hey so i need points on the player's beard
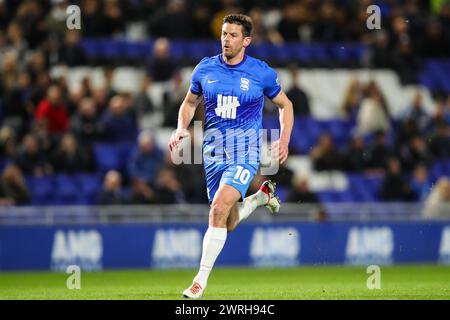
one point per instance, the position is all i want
(230, 53)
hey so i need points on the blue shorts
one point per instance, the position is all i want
(237, 175)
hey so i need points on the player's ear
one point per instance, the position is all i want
(247, 41)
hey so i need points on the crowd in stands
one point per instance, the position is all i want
(47, 129)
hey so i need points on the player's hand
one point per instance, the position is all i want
(283, 150)
(176, 138)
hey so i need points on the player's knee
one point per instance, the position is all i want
(218, 213)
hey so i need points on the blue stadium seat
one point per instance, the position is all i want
(107, 157)
(112, 49)
(42, 189)
(66, 188)
(138, 50)
(92, 48)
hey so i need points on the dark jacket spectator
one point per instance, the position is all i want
(13, 189)
(72, 53)
(112, 193)
(69, 157)
(161, 67)
(378, 152)
(84, 123)
(325, 156)
(394, 186)
(439, 142)
(415, 153)
(168, 188)
(354, 158)
(299, 98)
(301, 193)
(284, 176)
(30, 157)
(142, 193)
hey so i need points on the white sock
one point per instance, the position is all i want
(251, 203)
(213, 242)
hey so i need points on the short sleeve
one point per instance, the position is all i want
(196, 86)
(271, 84)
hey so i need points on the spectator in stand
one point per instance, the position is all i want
(31, 159)
(13, 189)
(380, 53)
(111, 193)
(9, 71)
(168, 188)
(394, 186)
(301, 193)
(414, 153)
(16, 41)
(147, 160)
(324, 155)
(354, 158)
(407, 130)
(284, 176)
(113, 18)
(172, 102)
(191, 176)
(52, 112)
(435, 43)
(142, 193)
(117, 124)
(69, 157)
(416, 112)
(261, 31)
(353, 98)
(297, 95)
(84, 123)
(142, 102)
(7, 143)
(439, 143)
(405, 61)
(57, 17)
(92, 19)
(378, 153)
(17, 107)
(161, 67)
(373, 114)
(288, 26)
(173, 21)
(437, 205)
(420, 182)
(72, 53)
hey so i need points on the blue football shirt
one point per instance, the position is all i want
(234, 100)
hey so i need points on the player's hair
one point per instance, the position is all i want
(242, 20)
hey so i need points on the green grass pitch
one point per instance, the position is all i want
(330, 282)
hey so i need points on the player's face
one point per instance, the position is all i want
(233, 40)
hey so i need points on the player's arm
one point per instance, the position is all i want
(286, 123)
(185, 115)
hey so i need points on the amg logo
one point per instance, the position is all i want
(226, 106)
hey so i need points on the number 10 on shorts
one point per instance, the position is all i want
(242, 175)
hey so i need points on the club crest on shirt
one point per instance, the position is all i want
(245, 84)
